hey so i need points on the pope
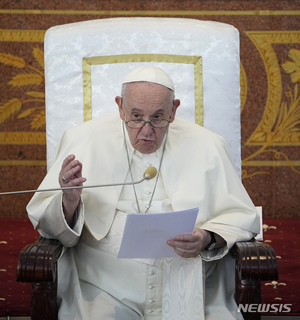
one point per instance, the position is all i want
(194, 169)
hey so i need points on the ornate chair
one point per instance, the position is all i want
(85, 63)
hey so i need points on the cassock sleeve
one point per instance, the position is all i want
(45, 209)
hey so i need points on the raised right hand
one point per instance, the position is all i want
(70, 175)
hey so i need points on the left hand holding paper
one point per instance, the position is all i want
(190, 245)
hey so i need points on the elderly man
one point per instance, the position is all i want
(194, 170)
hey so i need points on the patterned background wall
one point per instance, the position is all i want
(270, 100)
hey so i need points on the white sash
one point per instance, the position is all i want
(183, 289)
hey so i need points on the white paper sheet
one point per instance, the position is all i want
(146, 235)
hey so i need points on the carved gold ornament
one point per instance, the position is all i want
(280, 124)
(29, 76)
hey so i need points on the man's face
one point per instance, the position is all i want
(147, 101)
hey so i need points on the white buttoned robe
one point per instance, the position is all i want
(196, 171)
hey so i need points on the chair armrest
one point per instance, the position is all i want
(37, 261)
(37, 264)
(255, 260)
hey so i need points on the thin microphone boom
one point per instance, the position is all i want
(149, 174)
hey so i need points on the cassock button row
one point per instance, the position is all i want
(150, 311)
(147, 165)
(151, 273)
(147, 206)
(151, 287)
(151, 301)
(147, 192)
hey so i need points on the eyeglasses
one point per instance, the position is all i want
(155, 123)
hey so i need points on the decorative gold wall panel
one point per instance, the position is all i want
(270, 76)
(279, 125)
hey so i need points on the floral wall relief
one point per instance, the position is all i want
(28, 77)
(280, 125)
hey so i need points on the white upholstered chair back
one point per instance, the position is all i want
(85, 63)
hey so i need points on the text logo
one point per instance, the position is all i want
(265, 307)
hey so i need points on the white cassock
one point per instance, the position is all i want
(196, 171)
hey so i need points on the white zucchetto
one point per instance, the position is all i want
(150, 74)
